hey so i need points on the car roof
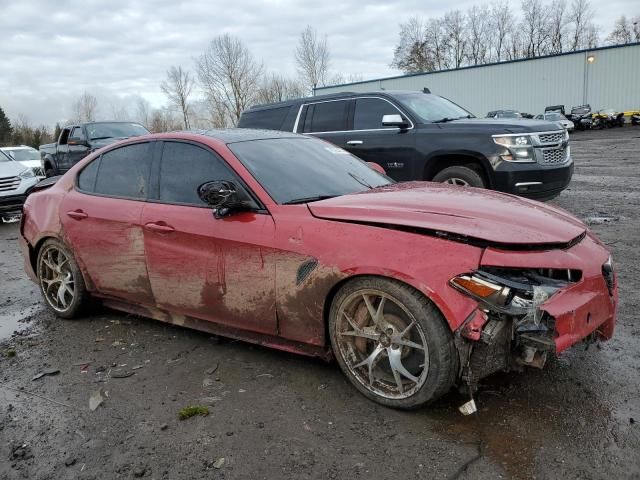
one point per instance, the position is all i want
(235, 135)
(331, 96)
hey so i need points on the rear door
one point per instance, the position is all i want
(392, 148)
(326, 120)
(208, 268)
(101, 221)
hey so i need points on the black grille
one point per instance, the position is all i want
(305, 270)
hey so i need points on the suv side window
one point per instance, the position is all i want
(369, 112)
(124, 172)
(326, 117)
(185, 167)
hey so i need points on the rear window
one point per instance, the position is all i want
(270, 119)
(326, 117)
(124, 172)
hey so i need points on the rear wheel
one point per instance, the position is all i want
(461, 176)
(60, 279)
(392, 343)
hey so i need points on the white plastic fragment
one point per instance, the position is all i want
(468, 408)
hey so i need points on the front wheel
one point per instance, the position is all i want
(461, 176)
(392, 343)
(60, 280)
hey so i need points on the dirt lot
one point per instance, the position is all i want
(275, 415)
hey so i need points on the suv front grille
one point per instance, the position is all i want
(9, 183)
(554, 137)
(553, 156)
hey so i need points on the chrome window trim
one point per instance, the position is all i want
(295, 125)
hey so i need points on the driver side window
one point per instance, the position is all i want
(185, 167)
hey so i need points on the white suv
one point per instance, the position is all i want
(29, 157)
(16, 181)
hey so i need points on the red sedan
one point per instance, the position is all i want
(290, 242)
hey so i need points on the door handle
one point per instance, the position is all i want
(77, 214)
(355, 142)
(159, 227)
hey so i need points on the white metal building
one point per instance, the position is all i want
(606, 77)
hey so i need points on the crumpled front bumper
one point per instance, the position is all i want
(581, 309)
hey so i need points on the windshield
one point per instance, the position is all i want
(432, 108)
(97, 131)
(554, 117)
(300, 170)
(23, 154)
(4, 157)
(508, 114)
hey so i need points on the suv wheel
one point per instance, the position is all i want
(459, 175)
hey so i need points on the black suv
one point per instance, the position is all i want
(421, 136)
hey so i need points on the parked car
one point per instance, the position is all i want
(581, 117)
(27, 156)
(567, 124)
(16, 181)
(77, 141)
(504, 114)
(555, 108)
(421, 136)
(290, 242)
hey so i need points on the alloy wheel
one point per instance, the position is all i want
(382, 344)
(56, 278)
(456, 181)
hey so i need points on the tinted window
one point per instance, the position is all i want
(76, 134)
(271, 119)
(124, 172)
(295, 170)
(184, 168)
(87, 177)
(369, 112)
(326, 117)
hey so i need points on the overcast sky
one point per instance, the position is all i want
(51, 51)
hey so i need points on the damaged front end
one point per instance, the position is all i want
(513, 326)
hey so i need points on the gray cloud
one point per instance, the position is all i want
(118, 50)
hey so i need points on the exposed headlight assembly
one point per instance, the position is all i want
(518, 148)
(28, 173)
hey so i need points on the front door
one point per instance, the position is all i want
(390, 147)
(77, 148)
(101, 222)
(208, 268)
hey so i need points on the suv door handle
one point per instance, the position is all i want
(355, 142)
(159, 227)
(77, 214)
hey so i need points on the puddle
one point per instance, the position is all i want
(19, 320)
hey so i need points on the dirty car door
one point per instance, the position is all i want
(101, 221)
(201, 266)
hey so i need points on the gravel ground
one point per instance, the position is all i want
(276, 415)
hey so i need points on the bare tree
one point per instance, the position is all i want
(312, 58)
(534, 27)
(636, 28)
(439, 45)
(580, 19)
(143, 112)
(163, 120)
(84, 108)
(502, 23)
(557, 25)
(276, 88)
(119, 112)
(177, 87)
(622, 32)
(229, 75)
(478, 31)
(454, 27)
(412, 54)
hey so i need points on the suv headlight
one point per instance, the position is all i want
(518, 148)
(28, 173)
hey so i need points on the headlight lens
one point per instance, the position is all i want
(518, 148)
(28, 173)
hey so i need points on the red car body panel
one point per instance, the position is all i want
(241, 275)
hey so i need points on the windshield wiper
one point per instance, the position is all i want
(100, 138)
(447, 119)
(361, 181)
(296, 201)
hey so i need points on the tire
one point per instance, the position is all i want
(366, 348)
(49, 172)
(57, 268)
(459, 175)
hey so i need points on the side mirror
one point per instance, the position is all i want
(82, 143)
(394, 120)
(377, 167)
(223, 196)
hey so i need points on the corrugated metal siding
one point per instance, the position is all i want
(611, 81)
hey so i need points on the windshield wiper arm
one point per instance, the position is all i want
(296, 201)
(361, 181)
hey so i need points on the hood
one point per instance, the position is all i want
(11, 169)
(30, 163)
(502, 125)
(491, 217)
